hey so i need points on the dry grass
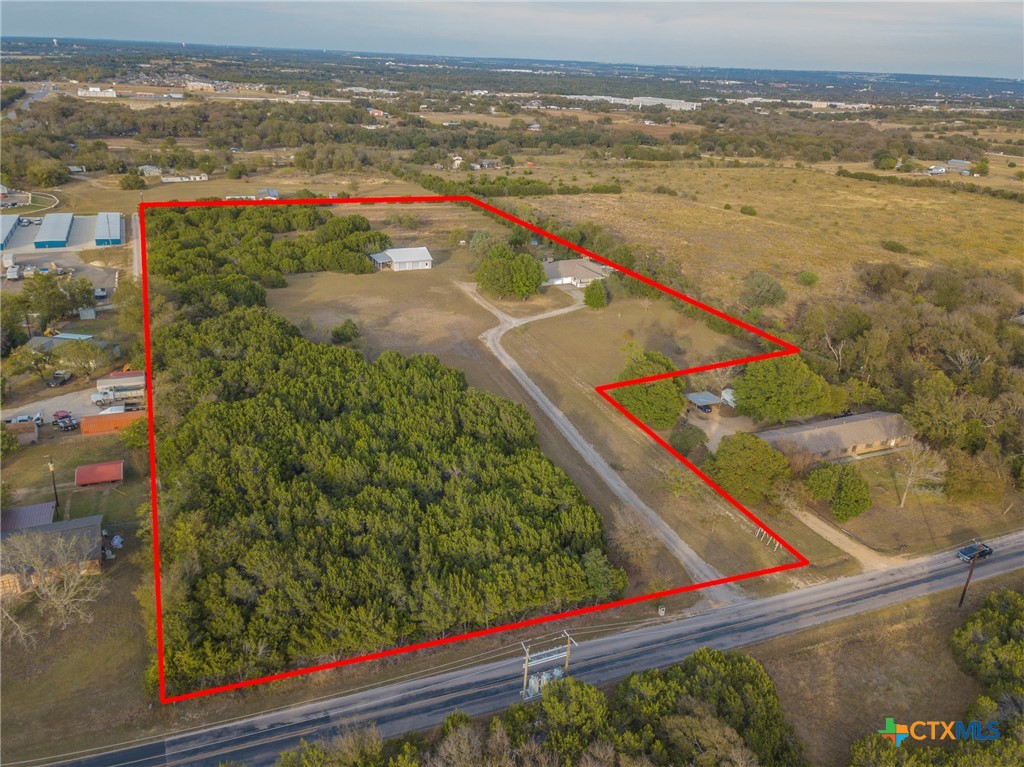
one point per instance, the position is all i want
(837, 683)
(807, 219)
(929, 522)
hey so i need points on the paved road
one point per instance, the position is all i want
(78, 403)
(488, 688)
(698, 570)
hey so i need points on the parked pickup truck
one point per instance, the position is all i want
(59, 378)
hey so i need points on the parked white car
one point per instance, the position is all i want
(14, 272)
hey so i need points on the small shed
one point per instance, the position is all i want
(27, 432)
(21, 517)
(150, 170)
(402, 259)
(104, 473)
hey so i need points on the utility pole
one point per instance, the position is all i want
(53, 480)
(533, 684)
(970, 574)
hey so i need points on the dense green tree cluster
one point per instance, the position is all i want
(215, 243)
(843, 487)
(747, 467)
(657, 404)
(715, 709)
(939, 345)
(505, 273)
(990, 646)
(781, 388)
(317, 505)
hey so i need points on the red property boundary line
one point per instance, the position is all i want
(784, 349)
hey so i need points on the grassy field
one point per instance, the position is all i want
(26, 471)
(806, 219)
(839, 682)
(104, 194)
(929, 522)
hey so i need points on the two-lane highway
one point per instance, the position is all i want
(490, 687)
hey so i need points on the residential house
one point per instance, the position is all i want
(843, 437)
(84, 535)
(578, 272)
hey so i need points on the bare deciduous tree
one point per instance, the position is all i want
(51, 566)
(919, 465)
(12, 627)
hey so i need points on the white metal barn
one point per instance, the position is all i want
(403, 259)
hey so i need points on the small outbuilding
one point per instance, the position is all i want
(704, 401)
(402, 259)
(27, 432)
(104, 473)
(108, 229)
(55, 230)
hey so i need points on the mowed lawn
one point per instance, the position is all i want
(26, 472)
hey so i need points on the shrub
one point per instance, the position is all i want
(807, 278)
(895, 247)
(748, 210)
(728, 206)
(132, 181)
(345, 332)
(686, 438)
(760, 289)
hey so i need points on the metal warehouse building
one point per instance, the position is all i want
(108, 229)
(8, 225)
(55, 230)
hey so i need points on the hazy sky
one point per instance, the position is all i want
(953, 38)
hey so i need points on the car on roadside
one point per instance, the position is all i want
(99, 294)
(59, 378)
(38, 418)
(975, 550)
(66, 424)
(14, 272)
(30, 270)
(59, 414)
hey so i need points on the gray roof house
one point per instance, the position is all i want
(579, 272)
(846, 437)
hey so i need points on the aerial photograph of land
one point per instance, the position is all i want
(512, 384)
